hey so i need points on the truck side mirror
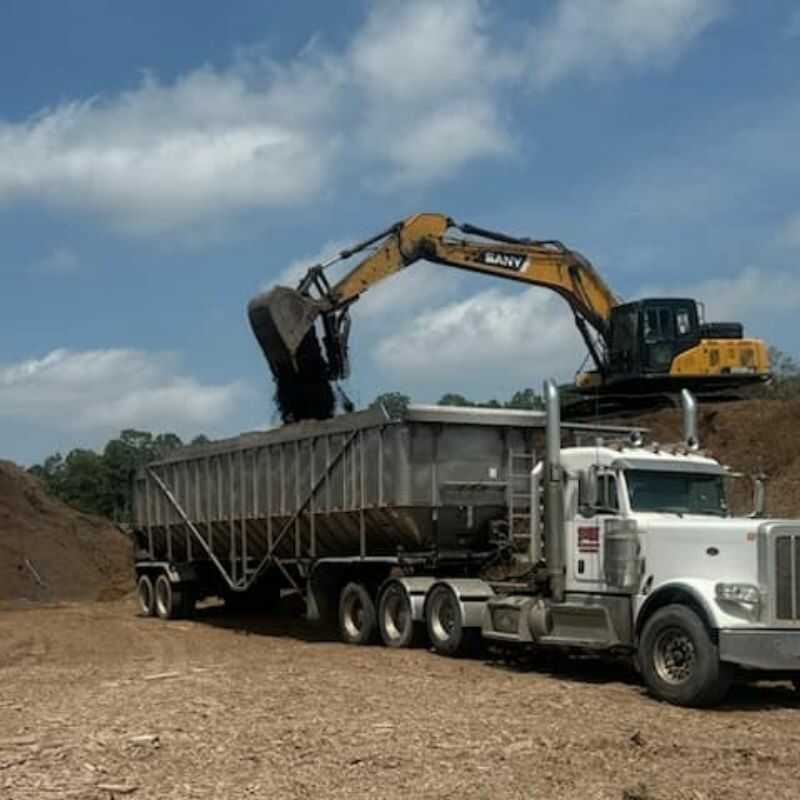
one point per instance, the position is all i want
(759, 498)
(587, 490)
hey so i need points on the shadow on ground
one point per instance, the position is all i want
(287, 621)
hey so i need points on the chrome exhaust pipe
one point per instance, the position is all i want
(690, 434)
(554, 495)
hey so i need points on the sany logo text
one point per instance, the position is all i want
(505, 260)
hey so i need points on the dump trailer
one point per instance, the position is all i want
(463, 527)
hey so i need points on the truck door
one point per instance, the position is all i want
(588, 553)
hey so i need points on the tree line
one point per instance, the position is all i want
(101, 482)
(396, 403)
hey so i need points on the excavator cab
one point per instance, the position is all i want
(648, 334)
(661, 340)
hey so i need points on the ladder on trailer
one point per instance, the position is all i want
(519, 499)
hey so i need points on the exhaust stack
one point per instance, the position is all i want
(554, 495)
(690, 434)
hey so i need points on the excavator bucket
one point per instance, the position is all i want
(283, 321)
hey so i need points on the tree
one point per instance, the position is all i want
(454, 399)
(101, 483)
(395, 403)
(85, 482)
(525, 399)
(785, 374)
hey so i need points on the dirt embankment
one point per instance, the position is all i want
(50, 552)
(757, 436)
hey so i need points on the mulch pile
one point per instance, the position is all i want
(50, 552)
(755, 436)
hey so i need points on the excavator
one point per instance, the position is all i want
(639, 351)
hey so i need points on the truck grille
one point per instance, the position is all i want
(787, 577)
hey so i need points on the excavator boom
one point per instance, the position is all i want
(631, 345)
(284, 319)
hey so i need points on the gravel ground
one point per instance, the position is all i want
(96, 702)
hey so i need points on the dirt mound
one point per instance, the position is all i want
(50, 552)
(756, 436)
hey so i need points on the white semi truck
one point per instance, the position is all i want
(444, 525)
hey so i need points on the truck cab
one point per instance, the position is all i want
(655, 565)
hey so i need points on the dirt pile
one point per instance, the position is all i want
(756, 436)
(50, 552)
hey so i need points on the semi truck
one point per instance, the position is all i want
(468, 528)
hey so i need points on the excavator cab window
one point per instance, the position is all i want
(647, 335)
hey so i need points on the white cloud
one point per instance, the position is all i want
(751, 295)
(103, 391)
(159, 156)
(417, 93)
(503, 340)
(591, 35)
(429, 71)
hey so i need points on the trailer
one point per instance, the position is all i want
(332, 510)
(446, 525)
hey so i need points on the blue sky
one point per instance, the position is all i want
(160, 163)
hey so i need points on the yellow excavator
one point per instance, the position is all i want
(642, 349)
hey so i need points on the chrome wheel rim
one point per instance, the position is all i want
(395, 615)
(162, 597)
(145, 596)
(353, 615)
(443, 616)
(674, 656)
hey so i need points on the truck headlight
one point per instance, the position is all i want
(744, 598)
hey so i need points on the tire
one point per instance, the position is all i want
(145, 594)
(396, 625)
(168, 600)
(189, 603)
(357, 618)
(445, 627)
(679, 662)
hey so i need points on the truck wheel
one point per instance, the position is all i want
(169, 601)
(189, 604)
(397, 626)
(678, 660)
(446, 630)
(357, 618)
(145, 594)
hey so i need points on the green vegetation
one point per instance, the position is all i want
(785, 375)
(100, 483)
(395, 403)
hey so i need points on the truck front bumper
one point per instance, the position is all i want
(767, 649)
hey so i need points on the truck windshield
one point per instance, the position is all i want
(676, 492)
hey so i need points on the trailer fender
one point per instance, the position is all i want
(417, 591)
(472, 595)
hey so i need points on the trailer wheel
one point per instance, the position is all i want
(446, 629)
(357, 618)
(678, 660)
(397, 626)
(169, 601)
(145, 594)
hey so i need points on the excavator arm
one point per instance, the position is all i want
(283, 319)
